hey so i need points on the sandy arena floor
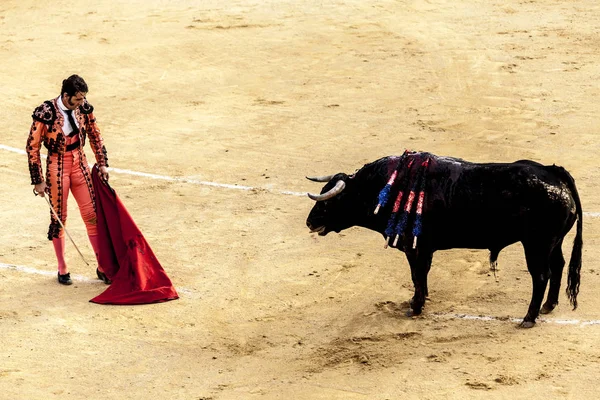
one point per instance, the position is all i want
(259, 94)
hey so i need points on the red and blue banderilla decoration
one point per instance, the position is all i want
(410, 165)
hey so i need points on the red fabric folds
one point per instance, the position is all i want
(127, 259)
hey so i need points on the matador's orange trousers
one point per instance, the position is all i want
(72, 180)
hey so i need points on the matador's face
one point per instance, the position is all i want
(72, 102)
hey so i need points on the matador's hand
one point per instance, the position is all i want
(40, 189)
(104, 173)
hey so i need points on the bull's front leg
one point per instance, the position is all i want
(420, 264)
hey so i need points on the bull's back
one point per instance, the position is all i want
(494, 205)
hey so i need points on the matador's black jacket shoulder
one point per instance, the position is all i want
(86, 108)
(45, 113)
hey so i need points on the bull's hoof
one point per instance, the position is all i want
(413, 313)
(527, 324)
(547, 308)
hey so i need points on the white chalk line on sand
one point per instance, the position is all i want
(74, 277)
(189, 293)
(31, 270)
(517, 320)
(207, 183)
(176, 179)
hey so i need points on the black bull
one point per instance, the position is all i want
(469, 205)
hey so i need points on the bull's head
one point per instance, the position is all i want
(333, 208)
(347, 201)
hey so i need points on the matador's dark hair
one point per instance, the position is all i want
(74, 84)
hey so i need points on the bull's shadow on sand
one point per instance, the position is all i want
(383, 336)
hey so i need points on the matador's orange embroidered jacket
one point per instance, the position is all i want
(46, 129)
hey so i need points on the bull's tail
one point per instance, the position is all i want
(575, 262)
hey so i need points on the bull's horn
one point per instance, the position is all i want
(334, 191)
(320, 178)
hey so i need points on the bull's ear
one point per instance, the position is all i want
(325, 178)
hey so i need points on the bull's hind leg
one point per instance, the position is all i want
(420, 264)
(538, 257)
(557, 262)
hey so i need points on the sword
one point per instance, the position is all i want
(62, 226)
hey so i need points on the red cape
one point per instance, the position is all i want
(127, 259)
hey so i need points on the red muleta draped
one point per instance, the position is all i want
(127, 259)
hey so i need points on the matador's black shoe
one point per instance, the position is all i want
(65, 279)
(102, 276)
